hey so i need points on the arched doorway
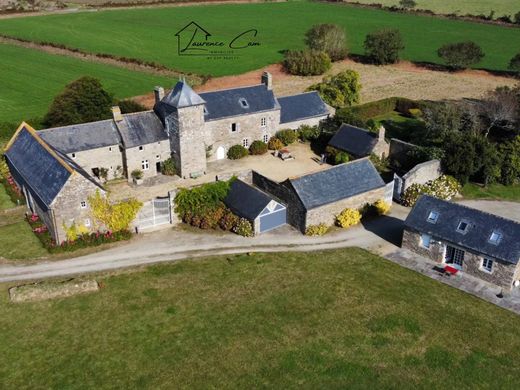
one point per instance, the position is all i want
(221, 153)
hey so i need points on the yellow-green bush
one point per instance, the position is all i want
(348, 218)
(382, 207)
(316, 230)
(115, 216)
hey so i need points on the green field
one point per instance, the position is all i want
(29, 79)
(336, 319)
(149, 33)
(492, 191)
(460, 7)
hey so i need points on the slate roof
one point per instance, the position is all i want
(182, 96)
(226, 103)
(85, 136)
(141, 128)
(354, 140)
(477, 236)
(246, 200)
(336, 183)
(36, 165)
(302, 106)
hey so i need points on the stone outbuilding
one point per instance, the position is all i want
(319, 197)
(56, 189)
(261, 209)
(360, 142)
(475, 242)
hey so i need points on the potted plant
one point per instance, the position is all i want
(137, 176)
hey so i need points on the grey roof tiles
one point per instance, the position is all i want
(476, 238)
(245, 200)
(141, 128)
(354, 140)
(302, 106)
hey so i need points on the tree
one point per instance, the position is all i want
(460, 157)
(407, 4)
(329, 38)
(517, 18)
(514, 64)
(339, 90)
(441, 119)
(306, 62)
(83, 100)
(501, 108)
(461, 55)
(383, 47)
(510, 167)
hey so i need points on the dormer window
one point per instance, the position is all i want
(463, 227)
(495, 237)
(243, 103)
(433, 216)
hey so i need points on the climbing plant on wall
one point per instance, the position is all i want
(115, 216)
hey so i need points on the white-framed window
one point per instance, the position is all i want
(245, 143)
(425, 240)
(145, 165)
(158, 157)
(73, 155)
(463, 226)
(87, 222)
(234, 127)
(495, 237)
(433, 216)
(487, 265)
(263, 121)
(83, 204)
(265, 138)
(141, 148)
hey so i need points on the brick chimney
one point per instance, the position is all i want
(267, 79)
(381, 133)
(116, 114)
(158, 93)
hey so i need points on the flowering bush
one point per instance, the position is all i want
(243, 228)
(382, 207)
(275, 144)
(316, 230)
(12, 189)
(228, 221)
(444, 187)
(348, 218)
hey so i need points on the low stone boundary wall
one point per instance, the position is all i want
(51, 290)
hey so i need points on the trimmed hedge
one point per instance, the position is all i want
(257, 148)
(236, 152)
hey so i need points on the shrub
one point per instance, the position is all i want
(287, 136)
(243, 228)
(275, 143)
(306, 62)
(348, 218)
(461, 54)
(514, 64)
(316, 230)
(383, 47)
(168, 167)
(137, 174)
(382, 207)
(516, 18)
(341, 158)
(115, 216)
(128, 106)
(444, 187)
(309, 133)
(329, 38)
(407, 3)
(202, 199)
(236, 152)
(339, 90)
(258, 147)
(228, 221)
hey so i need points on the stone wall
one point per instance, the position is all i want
(422, 173)
(381, 149)
(327, 214)
(503, 274)
(109, 157)
(309, 122)
(154, 153)
(218, 133)
(67, 205)
(398, 152)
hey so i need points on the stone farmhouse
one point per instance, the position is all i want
(483, 245)
(192, 128)
(55, 187)
(360, 142)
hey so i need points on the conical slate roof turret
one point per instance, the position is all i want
(182, 96)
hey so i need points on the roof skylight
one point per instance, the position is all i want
(433, 216)
(495, 237)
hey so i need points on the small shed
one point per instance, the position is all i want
(360, 142)
(262, 210)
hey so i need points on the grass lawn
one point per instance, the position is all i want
(336, 319)
(149, 33)
(17, 241)
(30, 79)
(493, 191)
(460, 7)
(5, 200)
(400, 126)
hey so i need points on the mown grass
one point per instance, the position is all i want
(460, 7)
(492, 191)
(5, 200)
(400, 126)
(30, 79)
(334, 319)
(17, 241)
(149, 33)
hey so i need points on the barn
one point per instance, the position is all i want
(262, 210)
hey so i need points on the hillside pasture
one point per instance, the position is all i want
(149, 33)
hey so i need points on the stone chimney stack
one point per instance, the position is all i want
(159, 93)
(381, 133)
(267, 79)
(116, 113)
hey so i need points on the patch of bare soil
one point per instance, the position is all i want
(404, 79)
(51, 290)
